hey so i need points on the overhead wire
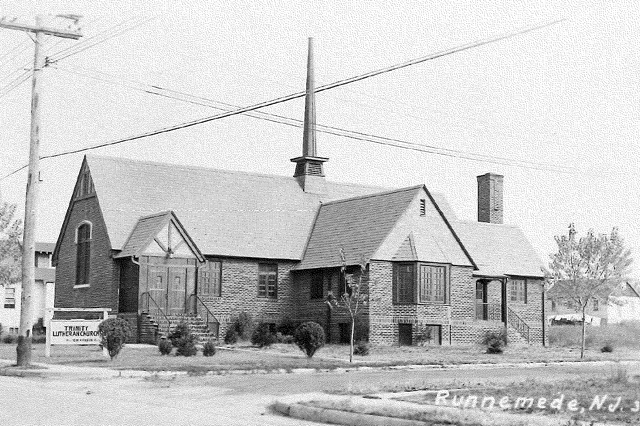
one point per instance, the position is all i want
(276, 118)
(286, 98)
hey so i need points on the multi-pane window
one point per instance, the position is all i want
(210, 282)
(432, 284)
(10, 297)
(596, 304)
(268, 280)
(518, 290)
(317, 281)
(83, 254)
(404, 282)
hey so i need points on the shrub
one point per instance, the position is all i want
(361, 348)
(424, 335)
(38, 327)
(244, 325)
(608, 347)
(495, 341)
(284, 338)
(231, 336)
(113, 333)
(262, 336)
(287, 327)
(184, 341)
(309, 336)
(39, 338)
(165, 346)
(180, 331)
(209, 349)
(10, 338)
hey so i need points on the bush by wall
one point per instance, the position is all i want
(183, 340)
(262, 336)
(495, 341)
(244, 325)
(180, 331)
(287, 327)
(361, 348)
(114, 332)
(10, 338)
(209, 349)
(165, 346)
(231, 336)
(309, 336)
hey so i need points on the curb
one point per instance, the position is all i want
(438, 415)
(15, 371)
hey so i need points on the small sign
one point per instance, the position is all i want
(75, 332)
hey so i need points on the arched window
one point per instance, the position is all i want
(83, 253)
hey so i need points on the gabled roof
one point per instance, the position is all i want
(358, 226)
(499, 250)
(226, 213)
(146, 231)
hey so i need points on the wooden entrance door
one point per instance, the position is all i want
(177, 290)
(157, 289)
(481, 300)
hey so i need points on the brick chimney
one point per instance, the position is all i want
(309, 167)
(490, 200)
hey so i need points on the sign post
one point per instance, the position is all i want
(74, 331)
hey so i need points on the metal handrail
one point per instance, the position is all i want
(209, 313)
(519, 324)
(149, 297)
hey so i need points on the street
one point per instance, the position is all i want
(220, 400)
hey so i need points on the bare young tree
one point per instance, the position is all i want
(10, 245)
(588, 268)
(353, 298)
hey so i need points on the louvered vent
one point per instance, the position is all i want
(423, 207)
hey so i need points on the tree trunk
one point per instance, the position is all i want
(584, 331)
(353, 326)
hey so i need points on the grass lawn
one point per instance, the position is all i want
(284, 356)
(614, 397)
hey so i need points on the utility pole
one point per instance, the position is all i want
(23, 350)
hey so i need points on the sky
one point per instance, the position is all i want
(561, 101)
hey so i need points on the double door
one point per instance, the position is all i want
(170, 287)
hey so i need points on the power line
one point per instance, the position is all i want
(337, 131)
(77, 49)
(466, 46)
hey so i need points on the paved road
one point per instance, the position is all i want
(214, 400)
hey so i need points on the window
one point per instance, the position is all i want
(268, 280)
(83, 253)
(10, 297)
(423, 207)
(210, 282)
(432, 284)
(317, 280)
(518, 291)
(85, 186)
(596, 304)
(403, 282)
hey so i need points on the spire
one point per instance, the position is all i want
(309, 167)
(309, 136)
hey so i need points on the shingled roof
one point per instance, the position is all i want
(359, 227)
(226, 213)
(499, 250)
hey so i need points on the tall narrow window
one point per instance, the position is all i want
(404, 283)
(268, 280)
(83, 254)
(10, 297)
(210, 281)
(316, 291)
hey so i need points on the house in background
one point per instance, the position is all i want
(158, 243)
(10, 295)
(622, 306)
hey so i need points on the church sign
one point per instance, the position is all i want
(75, 332)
